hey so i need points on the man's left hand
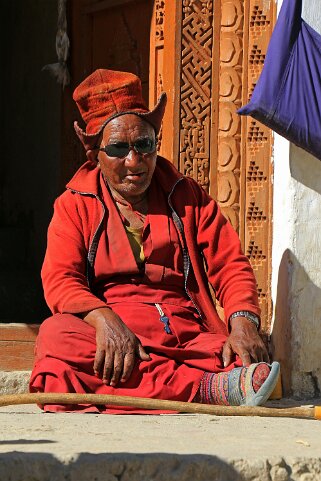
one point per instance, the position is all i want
(244, 341)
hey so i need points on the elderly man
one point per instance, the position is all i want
(132, 248)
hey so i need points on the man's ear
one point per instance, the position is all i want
(92, 155)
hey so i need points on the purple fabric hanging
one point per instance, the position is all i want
(287, 97)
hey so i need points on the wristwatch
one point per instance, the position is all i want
(249, 315)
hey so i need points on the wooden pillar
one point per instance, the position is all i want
(165, 71)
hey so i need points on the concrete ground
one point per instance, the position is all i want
(77, 447)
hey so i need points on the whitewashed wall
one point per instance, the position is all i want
(296, 258)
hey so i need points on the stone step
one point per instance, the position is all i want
(79, 447)
(14, 382)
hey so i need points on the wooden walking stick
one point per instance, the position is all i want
(159, 404)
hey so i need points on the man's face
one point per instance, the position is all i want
(131, 175)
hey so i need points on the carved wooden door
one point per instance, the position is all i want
(208, 56)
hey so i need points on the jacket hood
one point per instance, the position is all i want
(86, 179)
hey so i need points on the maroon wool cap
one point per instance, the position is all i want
(106, 94)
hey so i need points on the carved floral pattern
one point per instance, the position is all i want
(196, 58)
(159, 21)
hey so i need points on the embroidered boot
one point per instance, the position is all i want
(250, 386)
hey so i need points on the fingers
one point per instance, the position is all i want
(245, 358)
(119, 364)
(229, 350)
(251, 355)
(245, 341)
(129, 361)
(108, 367)
(115, 361)
(141, 353)
(259, 353)
(265, 356)
(114, 364)
(99, 361)
(117, 370)
(227, 354)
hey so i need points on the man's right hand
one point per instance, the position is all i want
(116, 346)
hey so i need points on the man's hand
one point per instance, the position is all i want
(117, 346)
(244, 341)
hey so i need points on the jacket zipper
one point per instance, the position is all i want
(186, 259)
(94, 241)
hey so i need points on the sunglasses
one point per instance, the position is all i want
(121, 149)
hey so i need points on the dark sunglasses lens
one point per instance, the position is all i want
(117, 150)
(145, 146)
(120, 150)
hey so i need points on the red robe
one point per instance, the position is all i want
(65, 347)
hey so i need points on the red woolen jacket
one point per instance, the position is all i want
(211, 247)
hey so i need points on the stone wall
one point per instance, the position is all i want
(296, 281)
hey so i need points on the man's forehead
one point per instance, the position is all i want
(127, 124)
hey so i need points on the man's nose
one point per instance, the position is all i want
(133, 157)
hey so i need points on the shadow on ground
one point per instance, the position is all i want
(115, 467)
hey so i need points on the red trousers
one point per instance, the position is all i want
(65, 352)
